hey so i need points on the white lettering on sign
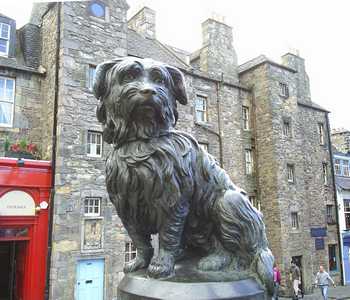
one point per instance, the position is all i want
(17, 203)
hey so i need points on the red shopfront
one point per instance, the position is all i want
(25, 187)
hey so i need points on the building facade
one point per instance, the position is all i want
(341, 145)
(257, 119)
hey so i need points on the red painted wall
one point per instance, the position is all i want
(34, 177)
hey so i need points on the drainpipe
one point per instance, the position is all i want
(218, 107)
(54, 146)
(336, 201)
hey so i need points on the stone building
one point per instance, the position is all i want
(341, 140)
(257, 119)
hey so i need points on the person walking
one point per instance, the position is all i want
(276, 281)
(322, 281)
(295, 278)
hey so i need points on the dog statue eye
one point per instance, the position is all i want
(158, 79)
(128, 78)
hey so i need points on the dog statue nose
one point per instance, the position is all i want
(148, 91)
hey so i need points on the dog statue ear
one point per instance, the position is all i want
(99, 86)
(179, 84)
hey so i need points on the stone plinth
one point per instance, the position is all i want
(190, 284)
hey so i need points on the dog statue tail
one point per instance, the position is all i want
(243, 233)
(264, 268)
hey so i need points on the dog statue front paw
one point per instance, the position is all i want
(162, 266)
(136, 264)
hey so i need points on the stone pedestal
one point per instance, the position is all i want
(190, 284)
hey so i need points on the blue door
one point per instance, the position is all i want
(346, 261)
(89, 285)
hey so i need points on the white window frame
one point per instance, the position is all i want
(255, 202)
(284, 89)
(8, 100)
(290, 173)
(7, 39)
(337, 166)
(130, 252)
(202, 111)
(345, 168)
(204, 146)
(347, 212)
(90, 204)
(286, 128)
(91, 76)
(321, 133)
(325, 173)
(295, 220)
(93, 146)
(249, 161)
(245, 117)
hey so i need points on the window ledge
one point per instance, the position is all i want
(9, 129)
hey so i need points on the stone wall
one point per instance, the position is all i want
(307, 195)
(85, 41)
(341, 140)
(27, 106)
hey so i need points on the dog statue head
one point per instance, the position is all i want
(137, 98)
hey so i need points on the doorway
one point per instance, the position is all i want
(90, 274)
(12, 262)
(299, 262)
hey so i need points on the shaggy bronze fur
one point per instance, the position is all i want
(161, 181)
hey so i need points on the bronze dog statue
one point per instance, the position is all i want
(161, 181)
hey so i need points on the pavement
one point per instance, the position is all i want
(337, 293)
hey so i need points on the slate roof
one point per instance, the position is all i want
(141, 46)
(343, 182)
(13, 64)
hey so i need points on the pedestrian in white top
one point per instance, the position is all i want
(322, 280)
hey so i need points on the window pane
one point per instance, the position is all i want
(9, 89)
(98, 149)
(5, 31)
(3, 46)
(6, 110)
(2, 87)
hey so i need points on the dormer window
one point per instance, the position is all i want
(4, 39)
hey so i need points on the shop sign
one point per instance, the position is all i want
(17, 203)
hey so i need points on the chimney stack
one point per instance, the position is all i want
(144, 22)
(218, 55)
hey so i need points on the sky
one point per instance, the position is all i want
(317, 29)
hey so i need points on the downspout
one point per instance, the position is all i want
(336, 201)
(54, 147)
(218, 107)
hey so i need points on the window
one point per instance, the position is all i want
(91, 76)
(345, 167)
(295, 220)
(332, 257)
(337, 167)
(347, 213)
(4, 39)
(321, 133)
(92, 206)
(204, 146)
(245, 113)
(94, 144)
(290, 170)
(130, 252)
(286, 128)
(248, 161)
(7, 95)
(330, 214)
(255, 202)
(325, 173)
(284, 91)
(201, 108)
(97, 9)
